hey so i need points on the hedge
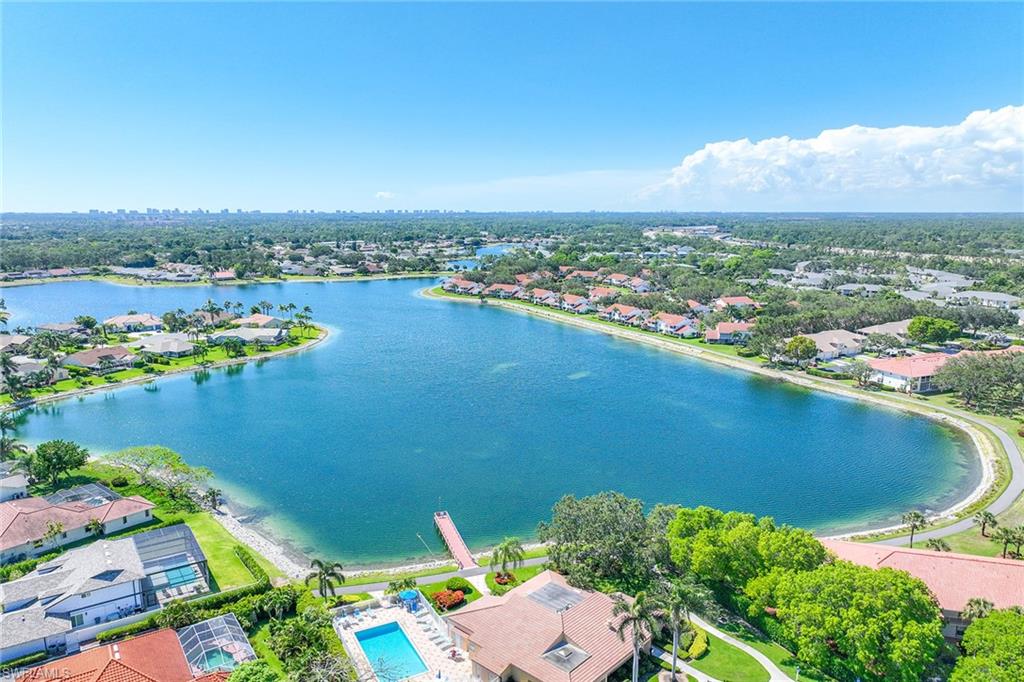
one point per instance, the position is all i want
(25, 566)
(838, 376)
(204, 605)
(459, 584)
(23, 662)
(699, 646)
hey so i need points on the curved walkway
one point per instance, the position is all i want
(683, 665)
(774, 672)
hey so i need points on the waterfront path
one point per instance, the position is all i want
(775, 673)
(429, 579)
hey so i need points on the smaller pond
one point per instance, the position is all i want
(474, 263)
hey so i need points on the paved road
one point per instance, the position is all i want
(1000, 504)
(426, 579)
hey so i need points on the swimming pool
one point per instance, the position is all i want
(390, 652)
(176, 577)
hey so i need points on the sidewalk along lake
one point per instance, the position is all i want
(418, 404)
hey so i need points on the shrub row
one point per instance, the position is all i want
(208, 606)
(699, 645)
(23, 662)
(838, 376)
(16, 570)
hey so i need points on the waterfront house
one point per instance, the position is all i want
(171, 345)
(135, 322)
(544, 630)
(102, 360)
(836, 343)
(499, 290)
(952, 578)
(214, 319)
(111, 582)
(24, 522)
(729, 332)
(462, 286)
(259, 321)
(13, 343)
(575, 304)
(623, 314)
(989, 299)
(910, 374)
(899, 329)
(601, 293)
(224, 275)
(72, 329)
(545, 297)
(268, 337)
(34, 371)
(672, 325)
(204, 652)
(741, 302)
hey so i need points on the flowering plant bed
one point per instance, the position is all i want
(446, 600)
(504, 578)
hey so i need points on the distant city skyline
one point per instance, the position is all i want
(730, 107)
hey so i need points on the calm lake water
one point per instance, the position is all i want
(415, 404)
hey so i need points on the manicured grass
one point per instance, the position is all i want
(259, 638)
(385, 577)
(521, 574)
(535, 553)
(431, 588)
(725, 662)
(778, 654)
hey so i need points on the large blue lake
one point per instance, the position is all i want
(415, 404)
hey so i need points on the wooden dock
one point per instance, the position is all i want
(453, 540)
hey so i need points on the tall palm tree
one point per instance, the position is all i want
(509, 552)
(1004, 535)
(976, 607)
(7, 423)
(325, 574)
(1018, 539)
(400, 584)
(681, 598)
(938, 544)
(94, 527)
(985, 519)
(265, 307)
(10, 448)
(915, 521)
(636, 617)
(213, 498)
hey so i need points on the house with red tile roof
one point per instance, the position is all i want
(259, 321)
(617, 279)
(736, 302)
(729, 332)
(544, 630)
(624, 314)
(697, 307)
(583, 274)
(909, 374)
(601, 293)
(160, 656)
(462, 286)
(639, 285)
(953, 578)
(24, 522)
(575, 304)
(524, 279)
(224, 275)
(673, 325)
(134, 322)
(545, 297)
(499, 290)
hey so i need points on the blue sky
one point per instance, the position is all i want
(513, 107)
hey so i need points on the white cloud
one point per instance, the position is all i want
(384, 196)
(976, 164)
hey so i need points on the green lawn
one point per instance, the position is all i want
(778, 655)
(431, 588)
(725, 662)
(521, 574)
(260, 644)
(217, 543)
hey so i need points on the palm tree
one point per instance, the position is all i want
(10, 448)
(325, 573)
(265, 307)
(7, 423)
(938, 544)
(682, 598)
(201, 349)
(1004, 535)
(1018, 539)
(915, 521)
(401, 584)
(637, 617)
(985, 519)
(54, 529)
(509, 552)
(976, 607)
(94, 527)
(213, 498)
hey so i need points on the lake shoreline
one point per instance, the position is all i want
(121, 281)
(147, 378)
(982, 447)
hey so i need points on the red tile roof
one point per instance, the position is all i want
(25, 520)
(915, 366)
(153, 657)
(952, 578)
(515, 630)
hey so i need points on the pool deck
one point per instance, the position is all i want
(433, 656)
